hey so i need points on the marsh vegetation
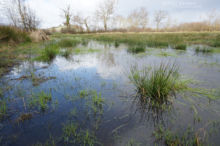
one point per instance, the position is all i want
(100, 89)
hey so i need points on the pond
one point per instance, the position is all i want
(88, 99)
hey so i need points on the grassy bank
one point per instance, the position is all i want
(159, 39)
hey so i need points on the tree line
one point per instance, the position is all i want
(105, 19)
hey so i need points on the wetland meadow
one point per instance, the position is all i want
(121, 89)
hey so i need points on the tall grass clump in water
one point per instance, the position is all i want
(136, 49)
(202, 49)
(156, 85)
(180, 47)
(65, 43)
(49, 53)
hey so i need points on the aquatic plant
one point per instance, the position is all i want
(203, 49)
(180, 47)
(116, 44)
(72, 134)
(85, 42)
(66, 42)
(66, 53)
(156, 85)
(136, 49)
(41, 100)
(3, 108)
(49, 52)
(23, 117)
(188, 137)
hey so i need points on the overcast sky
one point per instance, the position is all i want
(180, 10)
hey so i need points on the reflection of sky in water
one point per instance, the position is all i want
(100, 71)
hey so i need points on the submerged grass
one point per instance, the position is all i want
(188, 138)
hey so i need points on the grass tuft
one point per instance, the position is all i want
(156, 85)
(202, 49)
(49, 53)
(180, 47)
(136, 49)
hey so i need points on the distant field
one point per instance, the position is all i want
(160, 39)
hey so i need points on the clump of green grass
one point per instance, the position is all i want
(65, 43)
(85, 50)
(156, 85)
(116, 44)
(202, 49)
(41, 100)
(180, 47)
(136, 49)
(49, 53)
(216, 43)
(72, 134)
(85, 42)
(170, 138)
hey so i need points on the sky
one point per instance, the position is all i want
(49, 11)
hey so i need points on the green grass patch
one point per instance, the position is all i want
(180, 47)
(13, 35)
(40, 100)
(156, 85)
(66, 42)
(50, 51)
(203, 49)
(3, 108)
(136, 49)
(186, 138)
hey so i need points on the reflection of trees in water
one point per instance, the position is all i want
(107, 58)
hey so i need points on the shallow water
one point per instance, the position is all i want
(120, 119)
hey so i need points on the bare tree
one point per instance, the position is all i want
(82, 21)
(66, 13)
(105, 11)
(211, 18)
(159, 16)
(138, 18)
(21, 15)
